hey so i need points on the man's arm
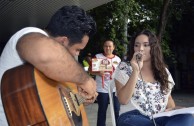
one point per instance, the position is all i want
(53, 60)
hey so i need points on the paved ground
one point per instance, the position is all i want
(185, 99)
(92, 115)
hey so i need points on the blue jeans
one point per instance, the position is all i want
(103, 101)
(135, 118)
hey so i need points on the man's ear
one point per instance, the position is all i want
(63, 40)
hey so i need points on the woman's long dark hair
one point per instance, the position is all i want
(157, 61)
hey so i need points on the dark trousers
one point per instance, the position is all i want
(135, 118)
(103, 101)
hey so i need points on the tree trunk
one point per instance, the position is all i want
(162, 20)
(125, 37)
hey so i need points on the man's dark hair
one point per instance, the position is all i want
(72, 22)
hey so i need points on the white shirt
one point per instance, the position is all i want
(10, 58)
(147, 96)
(108, 78)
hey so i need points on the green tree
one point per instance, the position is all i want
(119, 19)
(112, 21)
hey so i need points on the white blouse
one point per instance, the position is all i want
(147, 97)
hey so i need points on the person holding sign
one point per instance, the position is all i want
(103, 66)
(146, 84)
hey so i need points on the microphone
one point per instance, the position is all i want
(138, 56)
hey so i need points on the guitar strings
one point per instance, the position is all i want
(80, 99)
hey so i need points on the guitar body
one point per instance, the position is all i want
(30, 98)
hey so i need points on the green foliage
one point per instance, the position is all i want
(85, 63)
(120, 19)
(168, 54)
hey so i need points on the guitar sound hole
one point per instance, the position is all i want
(71, 106)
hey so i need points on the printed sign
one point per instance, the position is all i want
(99, 64)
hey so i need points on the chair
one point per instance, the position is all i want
(110, 92)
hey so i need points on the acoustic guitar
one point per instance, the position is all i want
(31, 99)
